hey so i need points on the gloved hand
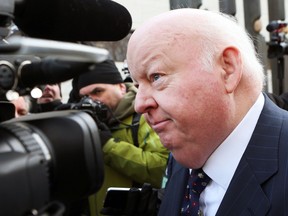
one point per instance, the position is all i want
(104, 132)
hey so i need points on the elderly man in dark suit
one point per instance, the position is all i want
(200, 88)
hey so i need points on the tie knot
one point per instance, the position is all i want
(198, 180)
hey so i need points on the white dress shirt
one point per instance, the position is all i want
(221, 165)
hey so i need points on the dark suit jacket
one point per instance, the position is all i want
(260, 184)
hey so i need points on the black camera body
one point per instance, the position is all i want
(278, 45)
(97, 108)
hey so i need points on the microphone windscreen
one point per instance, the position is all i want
(275, 25)
(73, 20)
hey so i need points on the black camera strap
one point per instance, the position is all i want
(134, 129)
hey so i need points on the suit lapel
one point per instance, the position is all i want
(179, 177)
(172, 201)
(245, 195)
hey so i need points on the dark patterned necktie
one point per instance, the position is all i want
(196, 184)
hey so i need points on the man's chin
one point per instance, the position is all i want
(166, 141)
(46, 100)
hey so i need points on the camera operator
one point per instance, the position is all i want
(50, 99)
(280, 100)
(133, 153)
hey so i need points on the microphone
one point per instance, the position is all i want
(73, 20)
(276, 24)
(49, 71)
(62, 50)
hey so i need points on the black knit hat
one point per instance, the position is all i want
(104, 72)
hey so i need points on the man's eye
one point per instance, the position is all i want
(155, 77)
(97, 91)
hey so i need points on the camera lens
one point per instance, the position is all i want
(46, 157)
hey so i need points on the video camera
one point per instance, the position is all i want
(278, 45)
(50, 159)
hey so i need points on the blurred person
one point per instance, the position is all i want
(200, 87)
(51, 98)
(281, 100)
(133, 153)
(22, 106)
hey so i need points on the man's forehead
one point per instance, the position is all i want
(99, 85)
(91, 87)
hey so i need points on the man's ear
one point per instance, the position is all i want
(123, 88)
(232, 68)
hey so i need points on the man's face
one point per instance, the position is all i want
(109, 94)
(184, 103)
(21, 107)
(50, 93)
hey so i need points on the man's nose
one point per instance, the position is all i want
(144, 101)
(93, 97)
(47, 88)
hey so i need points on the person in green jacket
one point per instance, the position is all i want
(129, 160)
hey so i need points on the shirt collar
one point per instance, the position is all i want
(233, 147)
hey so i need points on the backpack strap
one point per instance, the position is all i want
(135, 127)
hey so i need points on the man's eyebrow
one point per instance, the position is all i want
(94, 90)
